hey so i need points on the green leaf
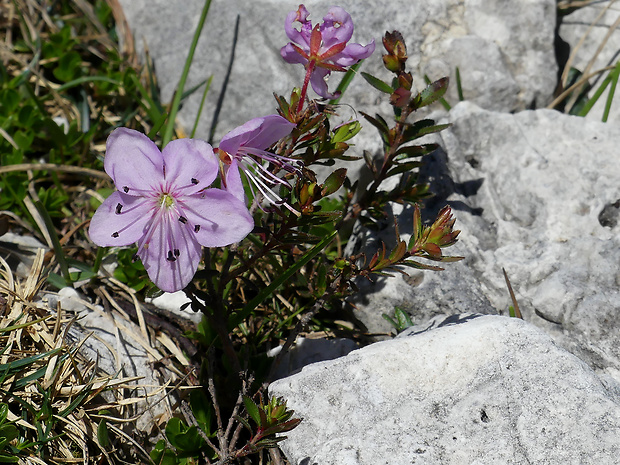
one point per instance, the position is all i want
(102, 434)
(403, 168)
(433, 92)
(378, 83)
(202, 410)
(416, 150)
(68, 66)
(333, 182)
(403, 318)
(321, 282)
(244, 422)
(240, 316)
(380, 124)
(161, 455)
(422, 128)
(9, 101)
(252, 409)
(346, 131)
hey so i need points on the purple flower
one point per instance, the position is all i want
(164, 203)
(324, 48)
(243, 150)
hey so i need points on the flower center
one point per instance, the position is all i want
(166, 200)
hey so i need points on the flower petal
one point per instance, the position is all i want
(172, 255)
(189, 165)
(257, 133)
(343, 30)
(318, 83)
(133, 161)
(272, 128)
(217, 217)
(112, 225)
(290, 55)
(232, 181)
(354, 53)
(301, 37)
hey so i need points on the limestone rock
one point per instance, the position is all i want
(309, 350)
(504, 52)
(489, 390)
(120, 349)
(534, 193)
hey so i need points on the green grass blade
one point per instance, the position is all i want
(592, 101)
(85, 79)
(459, 88)
(24, 325)
(58, 252)
(202, 102)
(276, 283)
(18, 364)
(346, 80)
(612, 90)
(220, 99)
(176, 102)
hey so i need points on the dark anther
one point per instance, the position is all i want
(134, 258)
(126, 189)
(115, 234)
(182, 219)
(177, 252)
(118, 208)
(170, 257)
(197, 228)
(194, 181)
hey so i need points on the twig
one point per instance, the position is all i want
(191, 419)
(221, 438)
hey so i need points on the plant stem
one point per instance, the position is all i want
(304, 89)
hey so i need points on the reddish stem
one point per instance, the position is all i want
(304, 89)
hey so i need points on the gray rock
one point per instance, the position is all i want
(173, 302)
(119, 349)
(585, 35)
(504, 52)
(488, 390)
(534, 193)
(307, 351)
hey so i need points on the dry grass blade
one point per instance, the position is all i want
(586, 73)
(53, 167)
(42, 373)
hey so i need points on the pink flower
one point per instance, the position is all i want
(243, 150)
(323, 48)
(164, 203)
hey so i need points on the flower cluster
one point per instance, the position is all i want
(242, 150)
(164, 200)
(322, 48)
